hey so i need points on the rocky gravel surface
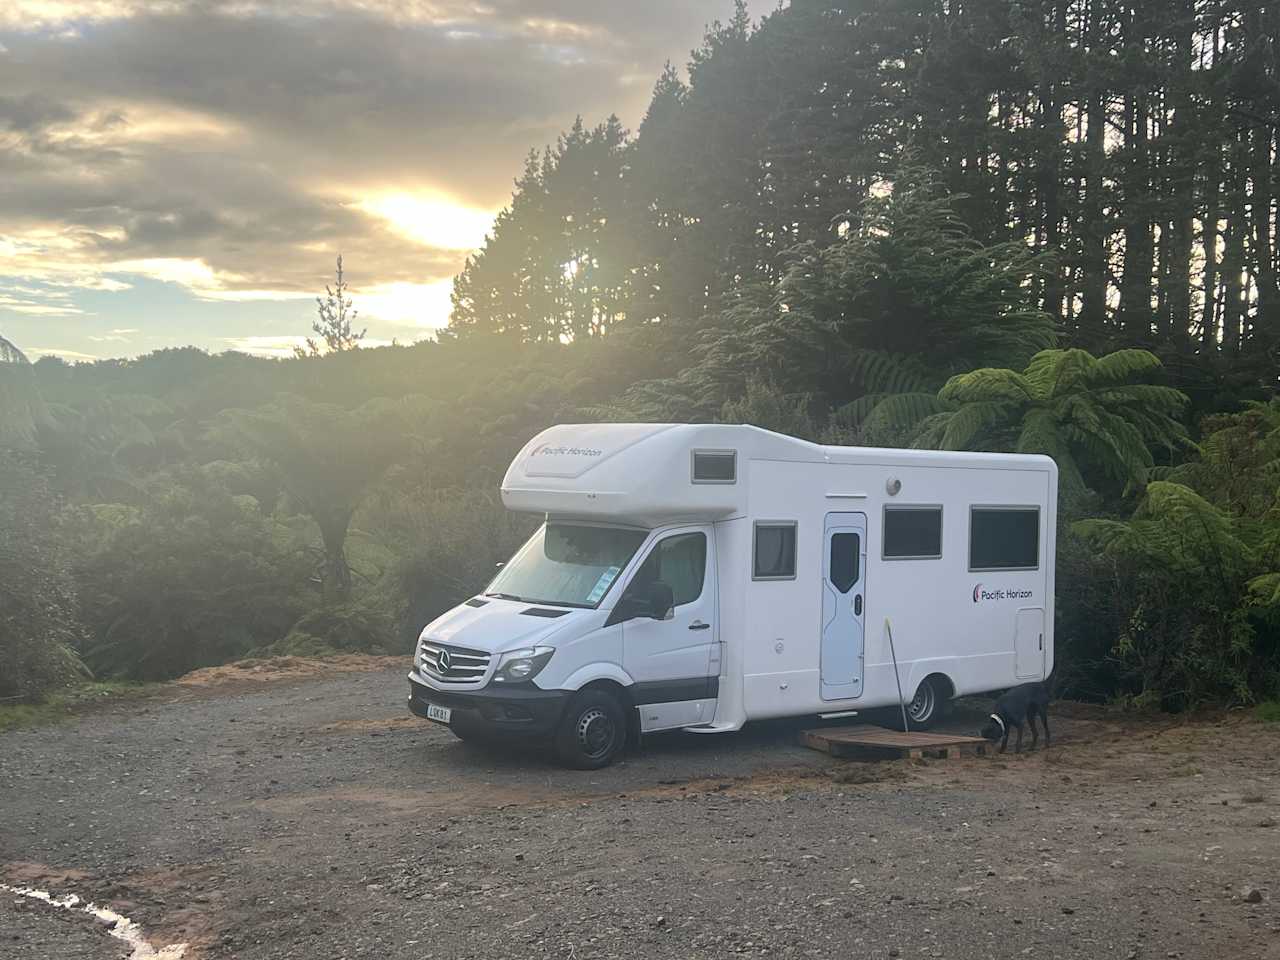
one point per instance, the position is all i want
(315, 819)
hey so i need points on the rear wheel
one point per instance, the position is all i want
(592, 732)
(925, 708)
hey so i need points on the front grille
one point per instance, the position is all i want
(452, 664)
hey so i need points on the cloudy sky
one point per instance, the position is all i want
(184, 171)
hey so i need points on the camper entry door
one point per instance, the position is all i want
(844, 576)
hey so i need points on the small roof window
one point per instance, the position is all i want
(715, 466)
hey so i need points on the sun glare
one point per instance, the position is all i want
(431, 219)
(408, 304)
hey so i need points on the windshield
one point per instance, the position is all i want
(567, 564)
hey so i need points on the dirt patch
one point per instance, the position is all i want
(253, 673)
(41, 876)
(780, 781)
(447, 799)
(371, 726)
(172, 905)
(1096, 748)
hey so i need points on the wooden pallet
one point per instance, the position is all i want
(865, 742)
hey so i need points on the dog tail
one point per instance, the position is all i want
(1051, 682)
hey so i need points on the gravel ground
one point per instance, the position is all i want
(316, 819)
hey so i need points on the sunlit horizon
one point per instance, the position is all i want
(188, 173)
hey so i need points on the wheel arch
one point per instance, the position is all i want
(596, 673)
(944, 684)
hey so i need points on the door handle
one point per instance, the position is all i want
(699, 625)
(1042, 641)
(857, 605)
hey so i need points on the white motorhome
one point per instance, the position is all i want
(701, 576)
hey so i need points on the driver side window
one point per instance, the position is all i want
(680, 562)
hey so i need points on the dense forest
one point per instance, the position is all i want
(1044, 226)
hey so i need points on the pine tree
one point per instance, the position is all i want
(334, 328)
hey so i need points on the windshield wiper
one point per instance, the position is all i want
(508, 596)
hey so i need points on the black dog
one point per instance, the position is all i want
(1022, 703)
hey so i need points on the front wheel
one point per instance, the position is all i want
(592, 732)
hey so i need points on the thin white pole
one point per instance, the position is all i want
(893, 653)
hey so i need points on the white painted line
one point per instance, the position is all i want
(120, 927)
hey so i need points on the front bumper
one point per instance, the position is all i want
(509, 710)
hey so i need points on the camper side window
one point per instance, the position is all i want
(1004, 538)
(680, 562)
(775, 551)
(912, 533)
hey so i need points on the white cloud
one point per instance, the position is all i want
(36, 301)
(35, 309)
(59, 352)
(280, 347)
(201, 279)
(265, 346)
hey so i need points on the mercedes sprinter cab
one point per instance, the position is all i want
(696, 577)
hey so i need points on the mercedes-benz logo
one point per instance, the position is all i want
(444, 662)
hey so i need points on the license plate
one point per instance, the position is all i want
(440, 714)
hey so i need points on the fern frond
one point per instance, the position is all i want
(1054, 372)
(1265, 591)
(1122, 365)
(901, 411)
(1205, 532)
(882, 372)
(1041, 434)
(9, 353)
(931, 431)
(986, 384)
(968, 423)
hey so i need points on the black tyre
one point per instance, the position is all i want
(927, 706)
(592, 732)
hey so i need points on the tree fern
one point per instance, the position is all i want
(1177, 530)
(891, 411)
(22, 410)
(9, 353)
(1082, 411)
(1265, 591)
(882, 372)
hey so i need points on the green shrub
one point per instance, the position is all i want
(356, 627)
(39, 631)
(449, 543)
(196, 577)
(1196, 571)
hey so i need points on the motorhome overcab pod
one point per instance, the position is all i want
(700, 576)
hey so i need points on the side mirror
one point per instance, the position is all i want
(654, 601)
(662, 600)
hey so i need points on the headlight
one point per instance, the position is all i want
(520, 665)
